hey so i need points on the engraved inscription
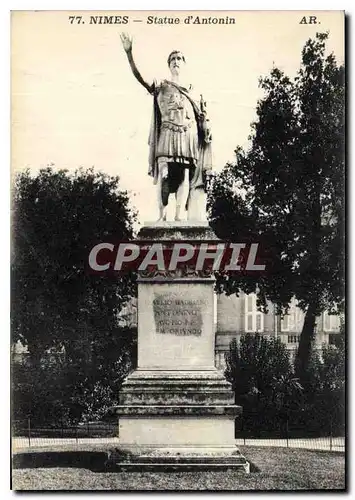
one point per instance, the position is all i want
(176, 315)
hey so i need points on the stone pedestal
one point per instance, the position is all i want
(176, 409)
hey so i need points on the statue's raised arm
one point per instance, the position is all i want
(127, 45)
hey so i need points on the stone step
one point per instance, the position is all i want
(178, 458)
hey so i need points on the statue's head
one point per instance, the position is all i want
(176, 60)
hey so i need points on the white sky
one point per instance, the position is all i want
(76, 103)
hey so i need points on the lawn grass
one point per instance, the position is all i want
(278, 469)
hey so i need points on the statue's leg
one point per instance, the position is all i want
(182, 194)
(162, 188)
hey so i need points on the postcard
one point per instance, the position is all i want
(178, 250)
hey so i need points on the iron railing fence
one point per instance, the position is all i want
(284, 432)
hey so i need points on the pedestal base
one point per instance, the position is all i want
(175, 458)
(172, 420)
(177, 430)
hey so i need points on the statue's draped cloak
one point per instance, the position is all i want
(204, 161)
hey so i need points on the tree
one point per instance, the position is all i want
(260, 371)
(324, 394)
(332, 383)
(56, 303)
(287, 193)
(255, 364)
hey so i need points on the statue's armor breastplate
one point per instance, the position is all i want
(178, 133)
(175, 108)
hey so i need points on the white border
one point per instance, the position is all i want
(5, 7)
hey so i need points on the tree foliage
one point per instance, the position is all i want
(273, 399)
(57, 304)
(260, 371)
(287, 192)
(253, 366)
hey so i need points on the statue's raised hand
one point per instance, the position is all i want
(126, 41)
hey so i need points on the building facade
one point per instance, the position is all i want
(239, 315)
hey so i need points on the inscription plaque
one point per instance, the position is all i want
(176, 315)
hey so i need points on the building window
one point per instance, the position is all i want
(331, 322)
(254, 319)
(293, 320)
(285, 323)
(293, 339)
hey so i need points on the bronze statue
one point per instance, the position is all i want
(179, 139)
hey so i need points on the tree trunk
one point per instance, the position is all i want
(307, 336)
(306, 342)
